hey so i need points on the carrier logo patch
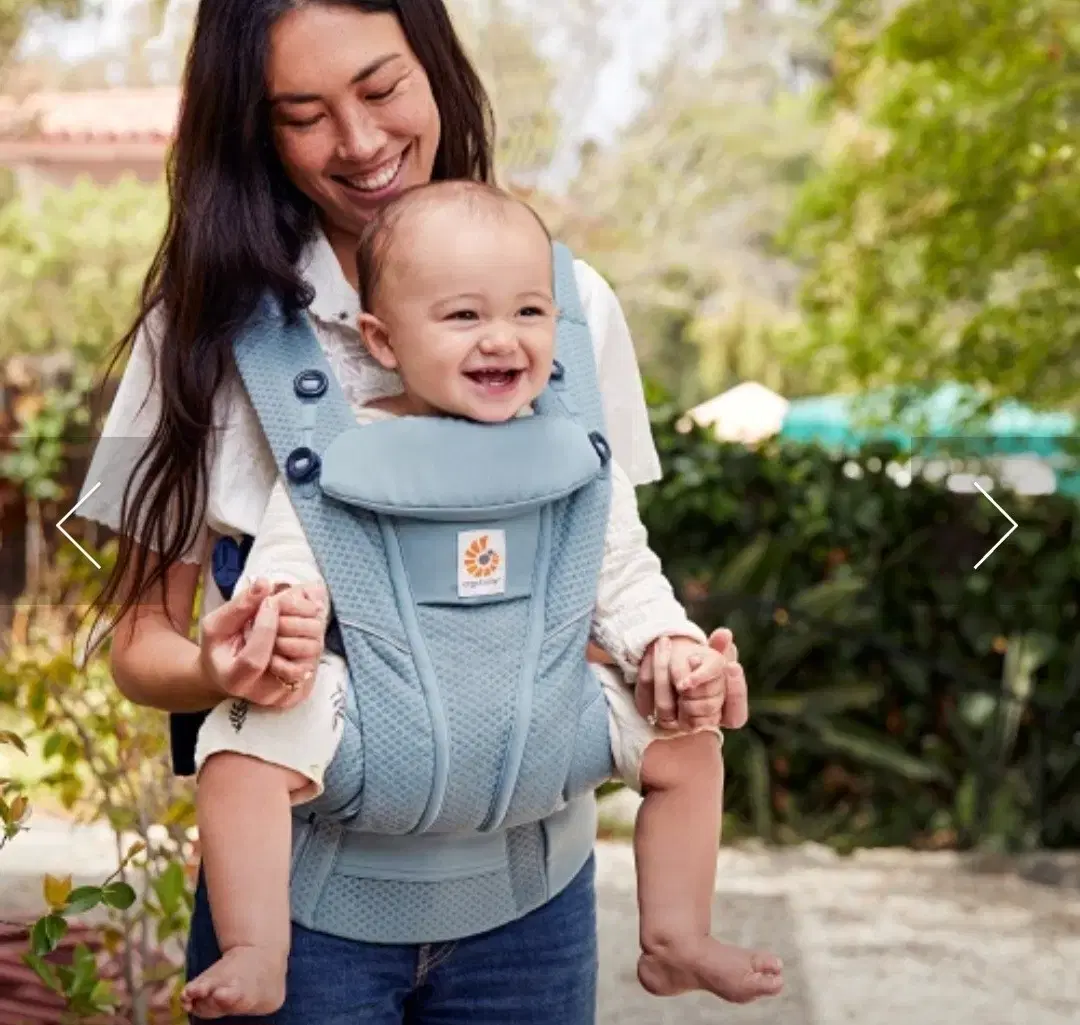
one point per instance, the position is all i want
(481, 563)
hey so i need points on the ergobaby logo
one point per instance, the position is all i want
(481, 563)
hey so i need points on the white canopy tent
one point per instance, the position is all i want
(747, 413)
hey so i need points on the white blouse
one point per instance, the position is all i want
(241, 465)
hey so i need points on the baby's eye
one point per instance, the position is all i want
(462, 315)
(532, 311)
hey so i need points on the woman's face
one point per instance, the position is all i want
(351, 109)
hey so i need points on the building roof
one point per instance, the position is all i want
(95, 116)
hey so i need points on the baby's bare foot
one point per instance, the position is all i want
(247, 980)
(732, 973)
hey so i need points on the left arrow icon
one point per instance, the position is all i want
(986, 495)
(71, 511)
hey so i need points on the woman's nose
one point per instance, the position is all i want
(360, 138)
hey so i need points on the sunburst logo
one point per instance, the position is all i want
(481, 560)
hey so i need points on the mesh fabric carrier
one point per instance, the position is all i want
(462, 561)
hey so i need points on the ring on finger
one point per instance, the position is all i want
(289, 685)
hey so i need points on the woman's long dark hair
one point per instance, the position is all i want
(237, 227)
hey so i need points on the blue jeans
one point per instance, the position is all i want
(537, 970)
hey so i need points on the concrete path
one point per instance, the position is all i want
(882, 938)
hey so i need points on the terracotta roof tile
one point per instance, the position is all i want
(104, 115)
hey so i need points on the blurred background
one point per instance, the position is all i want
(846, 236)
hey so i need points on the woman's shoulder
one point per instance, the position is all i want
(603, 313)
(620, 379)
(593, 289)
(137, 398)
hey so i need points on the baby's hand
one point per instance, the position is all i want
(303, 610)
(703, 694)
(682, 684)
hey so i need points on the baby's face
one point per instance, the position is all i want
(468, 311)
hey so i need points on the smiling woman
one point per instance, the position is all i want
(300, 120)
(349, 137)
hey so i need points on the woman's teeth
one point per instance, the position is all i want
(378, 180)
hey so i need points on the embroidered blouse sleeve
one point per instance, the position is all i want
(625, 411)
(128, 426)
(635, 602)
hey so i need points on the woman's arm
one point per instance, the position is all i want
(153, 663)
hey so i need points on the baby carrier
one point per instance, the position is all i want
(462, 561)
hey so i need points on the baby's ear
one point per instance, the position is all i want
(377, 340)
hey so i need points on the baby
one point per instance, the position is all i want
(456, 285)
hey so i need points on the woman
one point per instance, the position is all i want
(299, 119)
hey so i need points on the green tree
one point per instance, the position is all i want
(942, 232)
(540, 63)
(14, 15)
(519, 81)
(682, 213)
(151, 52)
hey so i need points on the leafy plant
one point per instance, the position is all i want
(940, 232)
(104, 760)
(897, 695)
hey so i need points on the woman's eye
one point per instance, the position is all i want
(305, 122)
(385, 94)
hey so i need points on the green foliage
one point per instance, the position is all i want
(104, 760)
(942, 235)
(71, 264)
(79, 983)
(683, 212)
(897, 695)
(14, 15)
(520, 84)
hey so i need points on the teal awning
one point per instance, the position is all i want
(952, 415)
(850, 421)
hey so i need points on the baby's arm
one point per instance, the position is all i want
(635, 603)
(637, 614)
(281, 553)
(301, 739)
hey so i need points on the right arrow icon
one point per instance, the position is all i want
(986, 495)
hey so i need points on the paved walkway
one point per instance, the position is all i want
(882, 938)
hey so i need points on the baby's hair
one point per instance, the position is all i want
(377, 238)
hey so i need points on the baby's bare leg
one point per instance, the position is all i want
(244, 817)
(675, 842)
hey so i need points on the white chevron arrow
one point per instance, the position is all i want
(60, 524)
(986, 495)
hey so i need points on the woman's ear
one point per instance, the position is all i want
(377, 339)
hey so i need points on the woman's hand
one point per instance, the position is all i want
(736, 700)
(301, 634)
(655, 692)
(257, 634)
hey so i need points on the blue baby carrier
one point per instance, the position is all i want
(462, 562)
